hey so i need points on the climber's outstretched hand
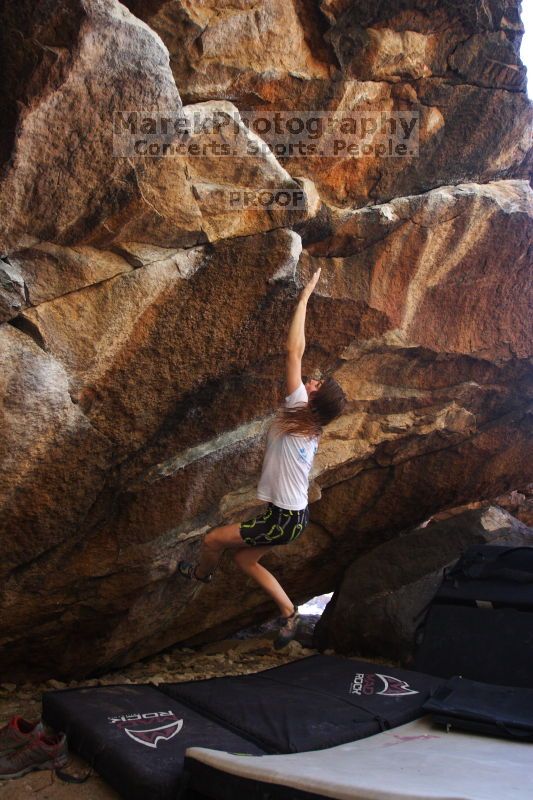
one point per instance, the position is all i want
(308, 289)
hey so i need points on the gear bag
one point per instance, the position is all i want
(483, 708)
(480, 622)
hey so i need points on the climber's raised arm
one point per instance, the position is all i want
(295, 344)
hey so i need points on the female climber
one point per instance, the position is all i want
(292, 442)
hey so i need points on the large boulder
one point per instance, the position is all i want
(143, 318)
(384, 594)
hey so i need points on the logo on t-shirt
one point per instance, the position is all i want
(306, 452)
(305, 456)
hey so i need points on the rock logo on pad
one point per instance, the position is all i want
(366, 683)
(140, 731)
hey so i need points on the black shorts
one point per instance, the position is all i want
(275, 526)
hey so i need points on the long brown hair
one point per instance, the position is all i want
(307, 419)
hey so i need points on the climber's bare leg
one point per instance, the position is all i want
(247, 559)
(214, 544)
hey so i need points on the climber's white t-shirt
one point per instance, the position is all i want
(288, 459)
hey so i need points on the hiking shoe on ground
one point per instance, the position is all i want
(288, 630)
(17, 733)
(42, 752)
(188, 570)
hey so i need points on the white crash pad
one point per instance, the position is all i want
(417, 761)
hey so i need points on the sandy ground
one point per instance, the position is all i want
(228, 657)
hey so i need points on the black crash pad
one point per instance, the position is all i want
(135, 736)
(310, 704)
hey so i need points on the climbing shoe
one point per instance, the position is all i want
(41, 752)
(288, 630)
(17, 733)
(188, 570)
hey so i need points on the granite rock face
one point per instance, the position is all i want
(68, 179)
(383, 595)
(456, 65)
(143, 314)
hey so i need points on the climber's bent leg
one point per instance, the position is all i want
(247, 559)
(214, 544)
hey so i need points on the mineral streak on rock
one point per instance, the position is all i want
(145, 299)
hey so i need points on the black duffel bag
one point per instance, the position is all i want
(480, 622)
(494, 574)
(504, 711)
